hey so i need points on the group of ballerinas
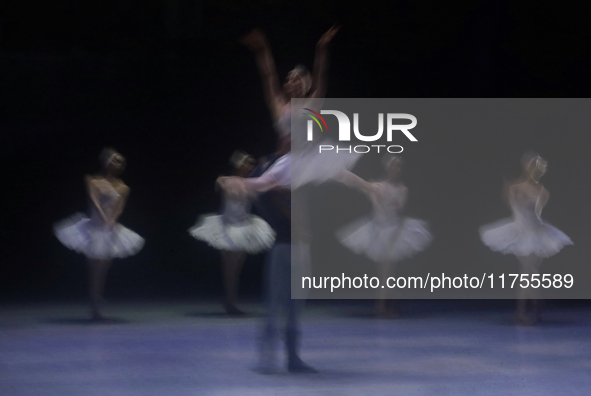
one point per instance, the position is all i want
(100, 238)
(387, 238)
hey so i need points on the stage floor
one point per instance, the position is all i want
(184, 348)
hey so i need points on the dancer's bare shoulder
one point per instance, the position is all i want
(120, 187)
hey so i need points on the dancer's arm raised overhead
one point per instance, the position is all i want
(258, 43)
(299, 83)
(318, 89)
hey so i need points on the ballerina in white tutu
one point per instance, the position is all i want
(526, 235)
(99, 237)
(235, 232)
(387, 237)
(309, 165)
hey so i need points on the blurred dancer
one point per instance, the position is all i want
(300, 84)
(276, 180)
(386, 238)
(235, 232)
(100, 238)
(526, 235)
(276, 183)
(274, 206)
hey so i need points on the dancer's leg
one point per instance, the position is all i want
(387, 269)
(293, 307)
(97, 274)
(529, 265)
(231, 267)
(273, 303)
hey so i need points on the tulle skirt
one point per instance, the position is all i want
(252, 235)
(89, 237)
(386, 242)
(510, 237)
(310, 166)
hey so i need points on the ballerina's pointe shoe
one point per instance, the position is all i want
(297, 366)
(97, 317)
(232, 310)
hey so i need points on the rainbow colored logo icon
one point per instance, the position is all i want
(316, 119)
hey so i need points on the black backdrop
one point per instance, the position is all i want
(168, 85)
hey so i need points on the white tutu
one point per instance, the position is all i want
(521, 239)
(310, 166)
(251, 235)
(88, 236)
(526, 233)
(386, 242)
(236, 229)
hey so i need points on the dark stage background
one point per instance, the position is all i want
(169, 86)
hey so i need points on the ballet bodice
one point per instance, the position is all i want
(107, 198)
(387, 202)
(236, 209)
(527, 208)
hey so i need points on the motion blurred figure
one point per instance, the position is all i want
(387, 237)
(235, 232)
(309, 165)
(526, 235)
(100, 238)
(277, 181)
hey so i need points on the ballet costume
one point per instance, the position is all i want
(308, 164)
(236, 229)
(90, 237)
(526, 233)
(386, 237)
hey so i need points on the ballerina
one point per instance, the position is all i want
(526, 235)
(309, 165)
(386, 238)
(99, 237)
(235, 232)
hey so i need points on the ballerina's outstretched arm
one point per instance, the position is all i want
(277, 176)
(263, 183)
(258, 43)
(375, 190)
(318, 89)
(352, 180)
